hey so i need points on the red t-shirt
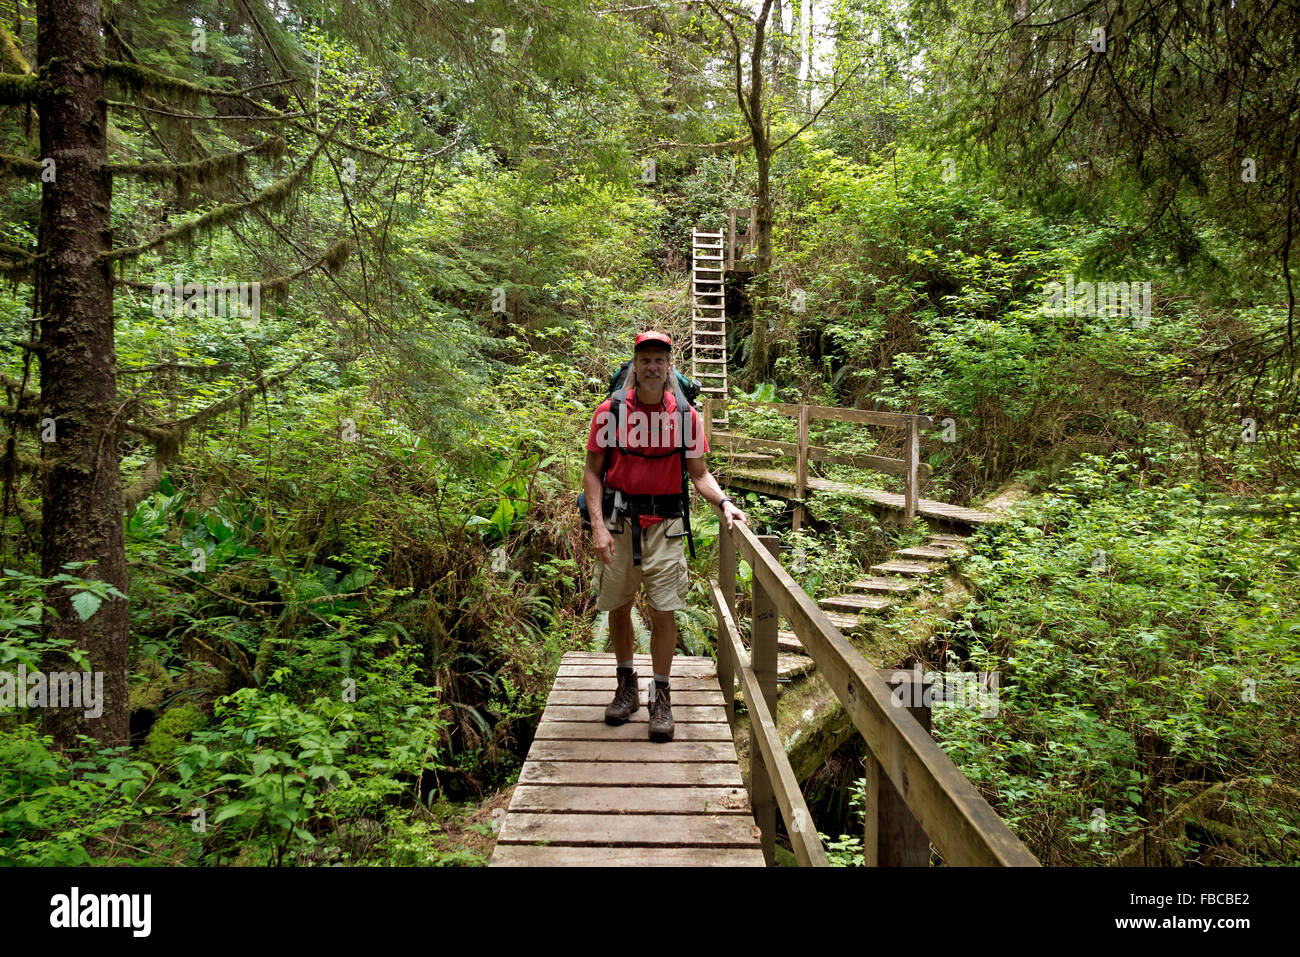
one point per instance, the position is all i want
(648, 428)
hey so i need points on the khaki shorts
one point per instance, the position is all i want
(663, 568)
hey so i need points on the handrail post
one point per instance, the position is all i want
(911, 458)
(892, 837)
(801, 470)
(708, 421)
(731, 239)
(762, 658)
(727, 585)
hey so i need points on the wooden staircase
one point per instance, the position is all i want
(872, 594)
(709, 318)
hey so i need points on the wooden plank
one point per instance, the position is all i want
(637, 657)
(762, 657)
(594, 712)
(911, 480)
(793, 666)
(925, 551)
(602, 698)
(600, 669)
(615, 773)
(782, 783)
(634, 749)
(600, 731)
(608, 683)
(842, 621)
(817, 453)
(788, 641)
(855, 603)
(645, 830)
(727, 588)
(563, 855)
(891, 835)
(958, 821)
(777, 482)
(834, 414)
(904, 568)
(801, 470)
(541, 798)
(880, 584)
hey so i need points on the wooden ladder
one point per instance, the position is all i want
(709, 320)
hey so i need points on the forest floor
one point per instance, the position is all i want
(472, 828)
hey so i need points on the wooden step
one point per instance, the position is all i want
(845, 623)
(904, 568)
(954, 539)
(855, 603)
(924, 551)
(789, 641)
(749, 456)
(883, 584)
(794, 666)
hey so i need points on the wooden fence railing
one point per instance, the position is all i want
(913, 471)
(915, 794)
(738, 245)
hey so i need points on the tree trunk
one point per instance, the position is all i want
(759, 359)
(82, 516)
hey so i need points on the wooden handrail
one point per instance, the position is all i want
(817, 453)
(831, 413)
(909, 467)
(957, 820)
(804, 840)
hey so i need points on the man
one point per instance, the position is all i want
(635, 451)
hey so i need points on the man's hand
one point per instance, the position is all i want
(603, 542)
(733, 514)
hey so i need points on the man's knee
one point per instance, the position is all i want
(623, 611)
(662, 620)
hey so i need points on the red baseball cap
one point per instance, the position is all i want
(653, 338)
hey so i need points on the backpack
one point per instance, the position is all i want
(686, 391)
(685, 384)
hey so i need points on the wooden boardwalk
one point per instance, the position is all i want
(592, 794)
(782, 485)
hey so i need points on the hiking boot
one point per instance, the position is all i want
(661, 715)
(624, 704)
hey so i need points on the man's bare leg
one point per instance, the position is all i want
(620, 632)
(663, 640)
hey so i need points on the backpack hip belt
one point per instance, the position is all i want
(664, 506)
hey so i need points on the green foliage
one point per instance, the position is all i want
(1142, 654)
(58, 810)
(22, 603)
(171, 731)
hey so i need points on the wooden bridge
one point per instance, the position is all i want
(798, 485)
(590, 794)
